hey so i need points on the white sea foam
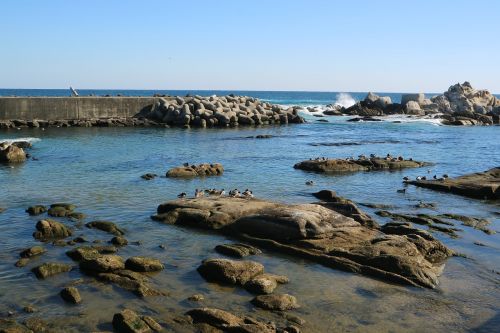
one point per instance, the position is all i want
(9, 141)
(345, 100)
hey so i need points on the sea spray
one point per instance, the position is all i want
(345, 100)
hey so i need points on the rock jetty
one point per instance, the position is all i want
(461, 104)
(481, 185)
(188, 111)
(373, 163)
(404, 255)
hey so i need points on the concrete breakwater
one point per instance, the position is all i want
(196, 111)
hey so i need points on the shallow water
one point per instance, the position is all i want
(99, 169)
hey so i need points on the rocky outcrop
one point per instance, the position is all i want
(11, 154)
(361, 164)
(200, 170)
(276, 302)
(317, 233)
(481, 185)
(143, 264)
(461, 104)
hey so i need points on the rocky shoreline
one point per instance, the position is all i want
(481, 185)
(188, 111)
(461, 105)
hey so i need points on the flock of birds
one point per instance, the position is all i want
(363, 157)
(419, 178)
(220, 193)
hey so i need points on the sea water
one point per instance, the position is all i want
(99, 170)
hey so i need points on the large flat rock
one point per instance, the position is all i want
(405, 255)
(351, 165)
(481, 185)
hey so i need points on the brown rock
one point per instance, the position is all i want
(71, 295)
(103, 263)
(12, 154)
(237, 250)
(143, 264)
(36, 210)
(200, 170)
(49, 269)
(276, 302)
(32, 252)
(230, 271)
(50, 229)
(128, 321)
(106, 226)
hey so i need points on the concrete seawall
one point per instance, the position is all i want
(72, 108)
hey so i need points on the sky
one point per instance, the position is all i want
(310, 45)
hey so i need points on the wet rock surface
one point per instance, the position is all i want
(71, 295)
(276, 302)
(50, 269)
(50, 229)
(32, 252)
(11, 154)
(200, 170)
(237, 250)
(228, 322)
(313, 232)
(106, 226)
(36, 210)
(143, 264)
(128, 321)
(351, 165)
(480, 185)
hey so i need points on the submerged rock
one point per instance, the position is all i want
(143, 264)
(200, 170)
(237, 250)
(106, 226)
(351, 165)
(265, 283)
(309, 231)
(132, 281)
(149, 176)
(228, 322)
(50, 268)
(119, 241)
(50, 229)
(103, 263)
(32, 252)
(36, 210)
(481, 185)
(127, 321)
(276, 302)
(71, 295)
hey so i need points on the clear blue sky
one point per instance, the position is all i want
(350, 45)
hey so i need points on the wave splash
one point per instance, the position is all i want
(345, 100)
(10, 141)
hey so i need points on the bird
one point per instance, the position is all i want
(435, 177)
(247, 193)
(445, 176)
(419, 178)
(406, 178)
(424, 178)
(222, 193)
(372, 156)
(401, 191)
(310, 183)
(198, 193)
(182, 195)
(186, 164)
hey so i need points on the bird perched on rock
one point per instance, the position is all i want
(445, 176)
(310, 183)
(186, 164)
(182, 195)
(406, 178)
(419, 178)
(247, 194)
(234, 193)
(435, 177)
(198, 193)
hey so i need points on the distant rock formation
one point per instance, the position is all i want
(460, 105)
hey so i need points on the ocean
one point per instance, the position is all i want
(99, 169)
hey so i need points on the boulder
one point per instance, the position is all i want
(119, 241)
(46, 270)
(130, 280)
(12, 154)
(227, 322)
(200, 170)
(265, 283)
(418, 98)
(307, 231)
(71, 295)
(230, 271)
(276, 302)
(143, 264)
(50, 229)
